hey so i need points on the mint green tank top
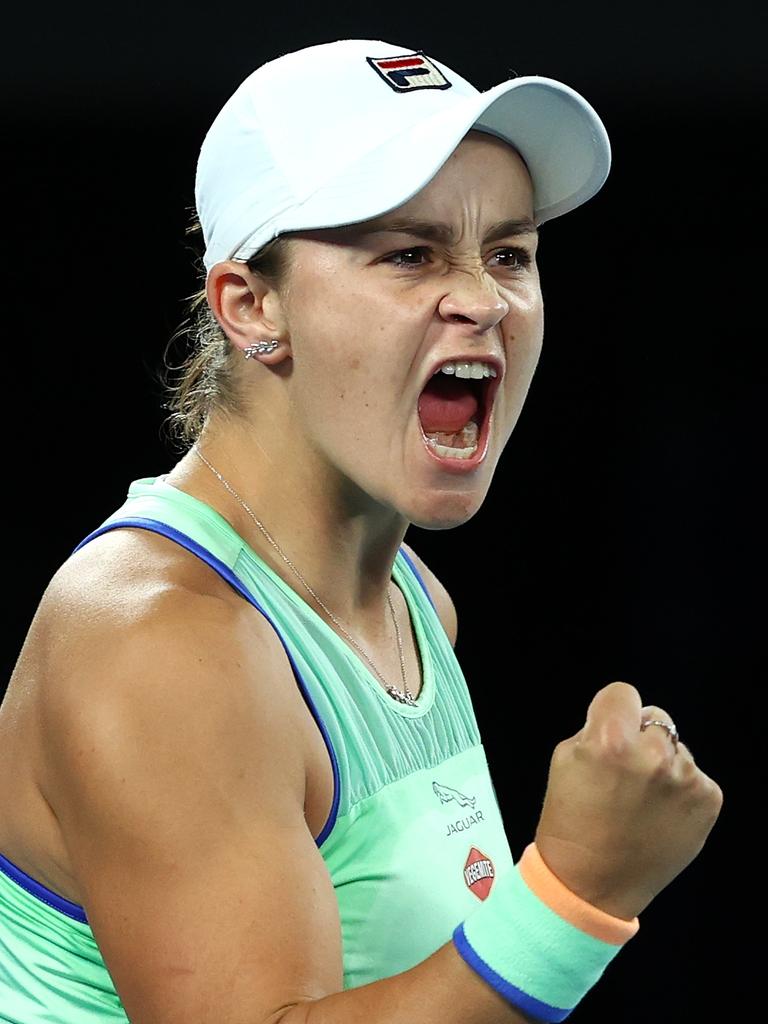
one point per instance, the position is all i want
(414, 840)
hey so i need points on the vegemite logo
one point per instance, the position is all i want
(479, 873)
(407, 72)
(447, 794)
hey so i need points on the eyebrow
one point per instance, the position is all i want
(435, 231)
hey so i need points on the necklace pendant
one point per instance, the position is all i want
(403, 698)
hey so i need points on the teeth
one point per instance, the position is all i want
(445, 451)
(453, 453)
(470, 371)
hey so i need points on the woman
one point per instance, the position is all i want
(248, 782)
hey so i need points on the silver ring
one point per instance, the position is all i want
(668, 726)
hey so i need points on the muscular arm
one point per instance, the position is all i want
(441, 990)
(177, 779)
(179, 787)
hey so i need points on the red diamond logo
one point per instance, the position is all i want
(479, 873)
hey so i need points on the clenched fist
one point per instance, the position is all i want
(626, 807)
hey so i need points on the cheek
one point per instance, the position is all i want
(343, 376)
(525, 298)
(526, 323)
(523, 354)
(523, 348)
(320, 342)
(348, 328)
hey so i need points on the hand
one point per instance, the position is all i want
(626, 809)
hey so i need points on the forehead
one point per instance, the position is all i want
(484, 179)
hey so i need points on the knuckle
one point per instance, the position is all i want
(619, 686)
(661, 767)
(654, 711)
(562, 752)
(615, 758)
(687, 766)
(714, 794)
(702, 792)
(614, 742)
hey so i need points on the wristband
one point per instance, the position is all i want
(537, 943)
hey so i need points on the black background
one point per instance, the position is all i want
(619, 540)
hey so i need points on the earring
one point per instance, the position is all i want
(260, 348)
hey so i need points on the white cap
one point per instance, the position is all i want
(345, 131)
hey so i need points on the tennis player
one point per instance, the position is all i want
(242, 779)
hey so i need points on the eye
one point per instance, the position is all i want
(512, 258)
(416, 256)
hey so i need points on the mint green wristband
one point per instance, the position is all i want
(532, 956)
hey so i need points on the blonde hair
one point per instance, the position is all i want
(205, 380)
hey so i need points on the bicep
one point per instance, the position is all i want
(184, 820)
(232, 929)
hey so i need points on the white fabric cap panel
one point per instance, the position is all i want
(322, 137)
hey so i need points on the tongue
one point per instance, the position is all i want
(446, 404)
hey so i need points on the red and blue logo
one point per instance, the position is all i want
(407, 72)
(479, 873)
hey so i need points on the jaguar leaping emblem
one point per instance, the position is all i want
(447, 794)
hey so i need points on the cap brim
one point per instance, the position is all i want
(558, 134)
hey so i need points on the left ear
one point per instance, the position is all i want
(248, 307)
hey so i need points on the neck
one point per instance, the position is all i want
(339, 539)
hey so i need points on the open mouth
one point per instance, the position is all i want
(454, 410)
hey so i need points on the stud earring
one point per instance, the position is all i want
(260, 348)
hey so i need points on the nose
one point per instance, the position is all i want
(474, 300)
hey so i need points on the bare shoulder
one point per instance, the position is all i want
(136, 633)
(125, 568)
(442, 599)
(176, 769)
(161, 688)
(139, 647)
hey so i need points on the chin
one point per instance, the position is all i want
(445, 510)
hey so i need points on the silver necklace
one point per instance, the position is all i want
(404, 696)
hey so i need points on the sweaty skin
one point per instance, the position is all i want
(157, 763)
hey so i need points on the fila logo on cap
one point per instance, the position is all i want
(408, 72)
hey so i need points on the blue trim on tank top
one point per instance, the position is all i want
(156, 526)
(417, 574)
(74, 910)
(42, 892)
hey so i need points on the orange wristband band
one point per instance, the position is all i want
(572, 908)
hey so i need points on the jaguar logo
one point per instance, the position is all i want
(447, 794)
